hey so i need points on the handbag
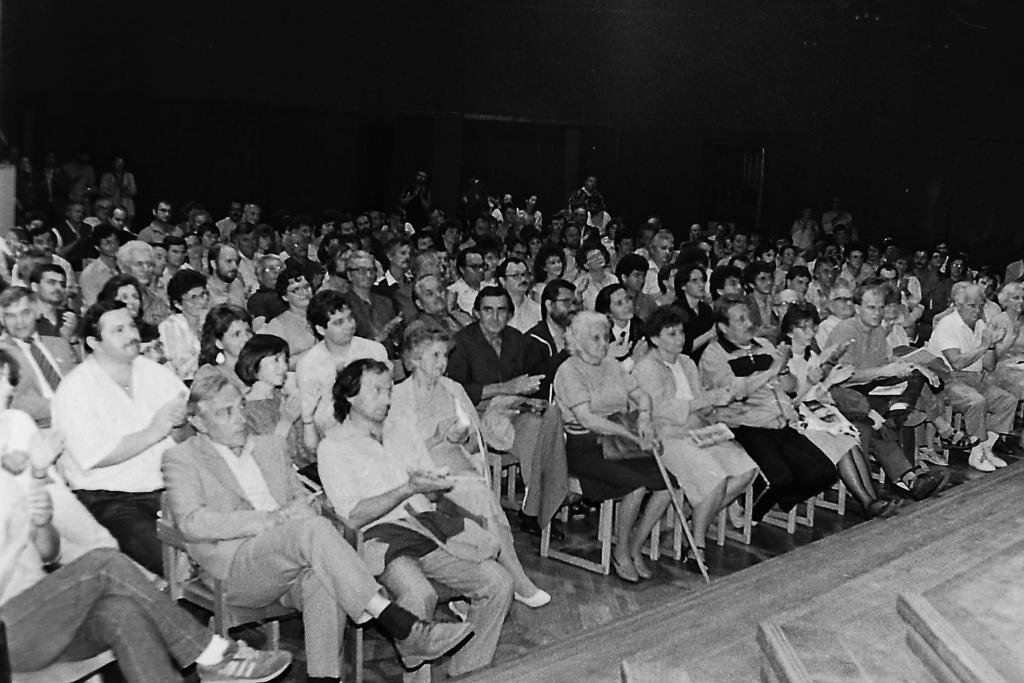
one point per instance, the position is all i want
(616, 447)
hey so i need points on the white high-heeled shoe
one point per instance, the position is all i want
(538, 599)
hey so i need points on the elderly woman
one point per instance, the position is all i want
(822, 424)
(1010, 351)
(136, 258)
(760, 413)
(225, 331)
(179, 333)
(292, 325)
(590, 387)
(710, 476)
(433, 425)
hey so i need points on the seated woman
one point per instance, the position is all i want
(292, 325)
(589, 388)
(615, 302)
(760, 413)
(126, 288)
(710, 476)
(1010, 351)
(271, 405)
(840, 441)
(691, 282)
(179, 333)
(593, 261)
(548, 265)
(433, 425)
(225, 331)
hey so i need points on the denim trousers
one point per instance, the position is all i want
(98, 602)
(131, 520)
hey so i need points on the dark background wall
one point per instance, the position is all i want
(914, 118)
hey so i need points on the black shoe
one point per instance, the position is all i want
(531, 526)
(927, 484)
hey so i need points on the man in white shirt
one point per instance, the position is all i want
(374, 490)
(228, 224)
(333, 324)
(116, 413)
(107, 241)
(513, 274)
(470, 266)
(249, 523)
(967, 343)
(660, 250)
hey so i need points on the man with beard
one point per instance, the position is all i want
(224, 284)
(116, 413)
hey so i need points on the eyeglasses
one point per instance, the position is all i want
(365, 269)
(842, 298)
(198, 296)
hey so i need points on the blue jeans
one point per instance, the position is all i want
(102, 601)
(131, 520)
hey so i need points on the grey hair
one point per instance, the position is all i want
(581, 323)
(1007, 291)
(963, 290)
(130, 252)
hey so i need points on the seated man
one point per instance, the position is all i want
(374, 314)
(116, 413)
(754, 373)
(868, 355)
(330, 317)
(409, 542)
(436, 305)
(967, 343)
(631, 270)
(136, 258)
(489, 361)
(100, 601)
(250, 523)
(44, 361)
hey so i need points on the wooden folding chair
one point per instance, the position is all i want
(84, 671)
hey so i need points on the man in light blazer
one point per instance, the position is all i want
(249, 522)
(39, 378)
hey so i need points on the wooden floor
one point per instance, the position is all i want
(835, 583)
(963, 550)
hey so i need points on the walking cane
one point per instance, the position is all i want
(678, 505)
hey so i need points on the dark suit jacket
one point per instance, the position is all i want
(208, 505)
(28, 395)
(473, 362)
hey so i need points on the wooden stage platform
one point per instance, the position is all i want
(835, 601)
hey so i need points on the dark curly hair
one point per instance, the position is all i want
(349, 381)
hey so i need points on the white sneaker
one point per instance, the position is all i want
(979, 460)
(994, 459)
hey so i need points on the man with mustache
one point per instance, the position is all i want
(117, 413)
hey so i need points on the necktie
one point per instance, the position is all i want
(50, 373)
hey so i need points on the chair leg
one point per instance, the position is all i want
(272, 629)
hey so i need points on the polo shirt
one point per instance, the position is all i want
(953, 333)
(869, 348)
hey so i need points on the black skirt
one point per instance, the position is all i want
(600, 478)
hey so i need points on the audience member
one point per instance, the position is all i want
(253, 527)
(292, 324)
(404, 542)
(116, 413)
(179, 333)
(513, 275)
